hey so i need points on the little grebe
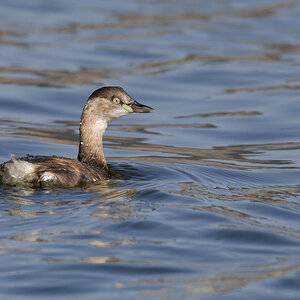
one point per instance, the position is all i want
(103, 106)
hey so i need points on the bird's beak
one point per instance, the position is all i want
(137, 107)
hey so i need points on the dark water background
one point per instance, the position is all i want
(204, 203)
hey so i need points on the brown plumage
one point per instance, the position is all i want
(103, 106)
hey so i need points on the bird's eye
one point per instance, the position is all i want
(116, 101)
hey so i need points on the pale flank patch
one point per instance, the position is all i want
(47, 177)
(18, 170)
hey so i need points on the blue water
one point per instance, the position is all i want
(204, 200)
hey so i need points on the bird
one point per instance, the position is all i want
(103, 105)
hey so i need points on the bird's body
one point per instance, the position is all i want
(50, 170)
(103, 106)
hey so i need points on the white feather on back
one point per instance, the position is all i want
(18, 170)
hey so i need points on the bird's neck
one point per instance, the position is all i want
(90, 145)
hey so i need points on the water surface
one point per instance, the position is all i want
(204, 200)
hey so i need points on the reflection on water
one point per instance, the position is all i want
(120, 28)
(226, 156)
(223, 114)
(265, 88)
(210, 286)
(53, 78)
(204, 200)
(59, 78)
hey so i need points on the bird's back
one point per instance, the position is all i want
(50, 170)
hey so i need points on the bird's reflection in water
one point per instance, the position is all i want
(109, 197)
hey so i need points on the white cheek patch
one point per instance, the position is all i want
(117, 113)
